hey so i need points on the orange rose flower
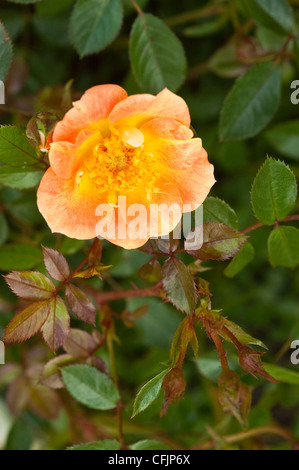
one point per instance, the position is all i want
(110, 145)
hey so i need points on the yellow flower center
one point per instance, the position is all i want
(119, 165)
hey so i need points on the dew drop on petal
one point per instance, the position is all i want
(133, 137)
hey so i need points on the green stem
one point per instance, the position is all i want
(137, 7)
(10, 109)
(234, 16)
(194, 15)
(114, 375)
(249, 434)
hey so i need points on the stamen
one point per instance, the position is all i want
(119, 165)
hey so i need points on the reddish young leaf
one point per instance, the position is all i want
(56, 264)
(79, 343)
(174, 386)
(57, 326)
(80, 304)
(8, 372)
(183, 336)
(168, 245)
(39, 129)
(220, 242)
(251, 362)
(44, 402)
(30, 285)
(179, 285)
(98, 363)
(234, 396)
(26, 323)
(18, 394)
(148, 248)
(51, 375)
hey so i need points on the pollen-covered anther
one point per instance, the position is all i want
(118, 163)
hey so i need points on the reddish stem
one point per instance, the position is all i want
(102, 297)
(260, 224)
(221, 351)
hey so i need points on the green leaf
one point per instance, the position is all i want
(70, 246)
(94, 24)
(50, 8)
(151, 271)
(80, 343)
(30, 285)
(179, 285)
(283, 246)
(216, 210)
(20, 178)
(26, 323)
(5, 52)
(149, 444)
(240, 261)
(157, 56)
(240, 334)
(206, 28)
(282, 374)
(272, 14)
(90, 387)
(52, 29)
(105, 444)
(220, 242)
(19, 256)
(24, 209)
(274, 191)
(220, 322)
(14, 23)
(148, 393)
(285, 138)
(210, 367)
(4, 229)
(225, 62)
(20, 435)
(57, 326)
(251, 103)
